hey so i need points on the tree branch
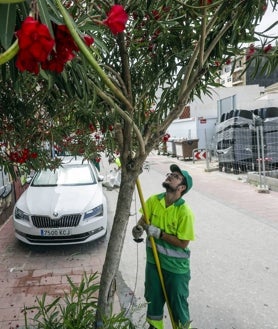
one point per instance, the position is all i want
(124, 115)
(89, 56)
(188, 80)
(217, 39)
(118, 77)
(203, 38)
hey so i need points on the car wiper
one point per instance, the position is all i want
(44, 185)
(77, 184)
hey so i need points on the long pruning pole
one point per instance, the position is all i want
(157, 262)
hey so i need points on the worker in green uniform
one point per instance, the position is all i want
(172, 227)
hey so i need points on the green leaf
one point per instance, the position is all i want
(7, 24)
(77, 83)
(44, 15)
(24, 9)
(10, 1)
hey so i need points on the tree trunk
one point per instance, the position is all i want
(115, 245)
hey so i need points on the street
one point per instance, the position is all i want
(234, 261)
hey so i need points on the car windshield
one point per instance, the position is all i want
(68, 175)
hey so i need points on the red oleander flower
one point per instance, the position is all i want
(156, 14)
(35, 38)
(205, 2)
(65, 45)
(250, 52)
(22, 156)
(36, 47)
(25, 62)
(34, 155)
(54, 64)
(267, 48)
(88, 40)
(166, 137)
(116, 19)
(92, 127)
(35, 44)
(264, 7)
(65, 50)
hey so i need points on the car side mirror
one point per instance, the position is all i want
(100, 178)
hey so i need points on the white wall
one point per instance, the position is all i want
(246, 99)
(183, 128)
(206, 132)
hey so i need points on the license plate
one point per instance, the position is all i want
(56, 232)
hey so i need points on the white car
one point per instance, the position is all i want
(63, 206)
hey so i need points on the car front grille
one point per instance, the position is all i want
(64, 221)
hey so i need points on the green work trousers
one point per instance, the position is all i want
(176, 286)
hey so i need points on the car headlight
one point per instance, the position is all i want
(19, 214)
(97, 211)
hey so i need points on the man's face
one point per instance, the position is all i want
(173, 181)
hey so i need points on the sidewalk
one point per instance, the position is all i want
(236, 227)
(28, 271)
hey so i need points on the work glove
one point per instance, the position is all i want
(137, 232)
(153, 231)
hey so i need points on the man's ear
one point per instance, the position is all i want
(182, 188)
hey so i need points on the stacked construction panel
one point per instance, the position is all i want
(235, 141)
(269, 118)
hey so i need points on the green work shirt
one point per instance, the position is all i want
(178, 220)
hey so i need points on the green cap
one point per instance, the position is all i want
(186, 176)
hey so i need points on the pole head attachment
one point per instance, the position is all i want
(138, 240)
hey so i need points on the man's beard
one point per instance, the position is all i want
(169, 188)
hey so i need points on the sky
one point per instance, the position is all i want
(269, 18)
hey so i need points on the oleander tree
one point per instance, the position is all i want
(103, 75)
